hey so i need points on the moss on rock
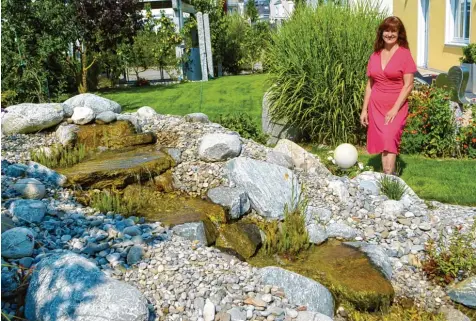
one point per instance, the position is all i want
(240, 237)
(95, 135)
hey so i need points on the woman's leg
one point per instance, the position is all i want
(388, 162)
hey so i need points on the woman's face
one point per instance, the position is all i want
(390, 37)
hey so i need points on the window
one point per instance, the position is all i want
(458, 21)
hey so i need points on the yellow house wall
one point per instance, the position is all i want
(440, 56)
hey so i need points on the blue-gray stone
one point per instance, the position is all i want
(317, 233)
(132, 231)
(135, 254)
(192, 231)
(31, 211)
(106, 117)
(235, 200)
(376, 255)
(26, 262)
(45, 174)
(269, 186)
(341, 230)
(300, 290)
(464, 292)
(17, 242)
(10, 282)
(67, 286)
(16, 170)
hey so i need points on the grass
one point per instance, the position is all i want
(243, 94)
(444, 180)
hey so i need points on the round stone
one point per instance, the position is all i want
(30, 188)
(345, 156)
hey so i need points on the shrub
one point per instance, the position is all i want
(431, 126)
(140, 82)
(317, 63)
(466, 140)
(469, 54)
(392, 187)
(59, 156)
(244, 125)
(291, 237)
(455, 258)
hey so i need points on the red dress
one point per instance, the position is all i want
(387, 85)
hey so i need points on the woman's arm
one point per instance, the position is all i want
(404, 93)
(364, 120)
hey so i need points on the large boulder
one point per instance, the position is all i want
(106, 117)
(67, 287)
(45, 174)
(67, 134)
(300, 290)
(30, 188)
(82, 115)
(31, 118)
(269, 187)
(280, 159)
(242, 238)
(219, 147)
(30, 211)
(276, 129)
(17, 242)
(96, 103)
(464, 292)
(376, 255)
(301, 158)
(235, 200)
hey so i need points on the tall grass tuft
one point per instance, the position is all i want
(392, 187)
(59, 156)
(317, 63)
(112, 201)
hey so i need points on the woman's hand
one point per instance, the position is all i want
(364, 117)
(390, 116)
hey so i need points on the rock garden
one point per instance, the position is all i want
(142, 216)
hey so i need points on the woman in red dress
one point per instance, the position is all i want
(390, 80)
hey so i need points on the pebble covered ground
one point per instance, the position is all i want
(182, 280)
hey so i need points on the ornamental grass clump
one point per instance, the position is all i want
(317, 64)
(59, 156)
(392, 187)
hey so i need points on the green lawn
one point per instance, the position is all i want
(444, 180)
(221, 95)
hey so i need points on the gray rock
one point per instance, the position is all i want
(67, 286)
(280, 159)
(197, 118)
(233, 199)
(237, 315)
(192, 231)
(96, 103)
(10, 282)
(464, 292)
(17, 242)
(209, 311)
(67, 134)
(7, 223)
(341, 230)
(31, 211)
(30, 188)
(132, 230)
(300, 290)
(132, 119)
(175, 153)
(135, 254)
(424, 226)
(451, 314)
(370, 186)
(146, 112)
(316, 214)
(340, 190)
(219, 147)
(317, 233)
(312, 316)
(26, 262)
(301, 158)
(376, 255)
(45, 174)
(391, 209)
(16, 170)
(82, 115)
(31, 118)
(269, 186)
(106, 117)
(276, 129)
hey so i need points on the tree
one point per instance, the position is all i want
(35, 44)
(256, 41)
(251, 11)
(164, 46)
(102, 26)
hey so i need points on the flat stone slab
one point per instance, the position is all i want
(118, 168)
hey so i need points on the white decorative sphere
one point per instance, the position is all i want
(345, 155)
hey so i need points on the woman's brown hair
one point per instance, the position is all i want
(394, 24)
